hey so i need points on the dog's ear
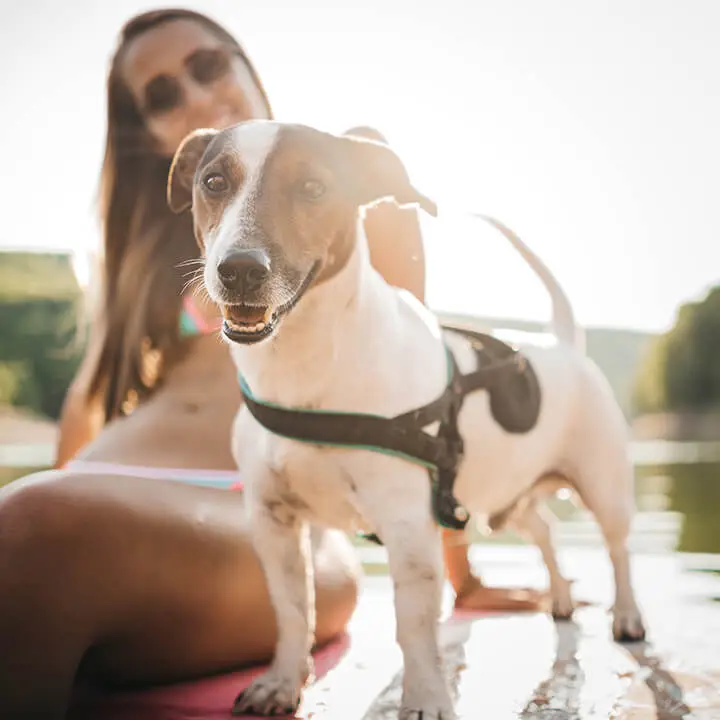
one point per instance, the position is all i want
(183, 167)
(378, 173)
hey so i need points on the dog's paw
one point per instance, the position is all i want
(628, 625)
(270, 694)
(561, 598)
(561, 613)
(426, 706)
(427, 713)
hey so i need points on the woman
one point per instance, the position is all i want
(109, 567)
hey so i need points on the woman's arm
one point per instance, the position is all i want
(80, 422)
(396, 251)
(81, 417)
(394, 237)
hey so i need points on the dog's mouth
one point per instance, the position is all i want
(248, 324)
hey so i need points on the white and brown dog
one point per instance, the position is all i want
(277, 209)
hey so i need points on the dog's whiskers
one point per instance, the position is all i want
(195, 283)
(193, 275)
(200, 291)
(191, 262)
(188, 284)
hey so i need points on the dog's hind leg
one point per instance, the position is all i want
(415, 560)
(601, 471)
(612, 504)
(282, 544)
(536, 521)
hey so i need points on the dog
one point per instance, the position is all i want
(277, 210)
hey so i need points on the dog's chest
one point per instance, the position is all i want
(327, 490)
(313, 481)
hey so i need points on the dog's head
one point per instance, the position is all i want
(275, 208)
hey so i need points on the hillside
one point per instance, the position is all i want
(617, 352)
(33, 275)
(38, 299)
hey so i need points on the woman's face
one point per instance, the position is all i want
(183, 77)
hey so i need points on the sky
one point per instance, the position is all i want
(591, 129)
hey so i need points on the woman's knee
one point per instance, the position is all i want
(48, 560)
(35, 520)
(44, 629)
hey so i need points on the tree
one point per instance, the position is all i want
(39, 312)
(681, 371)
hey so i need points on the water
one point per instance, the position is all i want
(677, 492)
(692, 491)
(677, 496)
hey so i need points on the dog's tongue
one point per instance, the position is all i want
(246, 315)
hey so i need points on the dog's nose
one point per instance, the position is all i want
(244, 269)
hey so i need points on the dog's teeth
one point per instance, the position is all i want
(258, 327)
(267, 317)
(249, 328)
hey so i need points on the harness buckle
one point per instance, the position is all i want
(447, 510)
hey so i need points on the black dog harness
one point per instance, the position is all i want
(501, 370)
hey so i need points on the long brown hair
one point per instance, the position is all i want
(144, 244)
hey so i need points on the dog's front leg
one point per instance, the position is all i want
(282, 544)
(415, 560)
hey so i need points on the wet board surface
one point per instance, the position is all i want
(528, 666)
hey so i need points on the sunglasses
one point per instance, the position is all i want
(164, 93)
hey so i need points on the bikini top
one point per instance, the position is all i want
(192, 322)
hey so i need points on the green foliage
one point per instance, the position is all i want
(695, 492)
(618, 354)
(681, 371)
(39, 306)
(17, 385)
(39, 311)
(30, 275)
(649, 393)
(10, 381)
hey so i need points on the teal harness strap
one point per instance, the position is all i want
(301, 418)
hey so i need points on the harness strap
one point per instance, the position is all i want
(403, 435)
(503, 358)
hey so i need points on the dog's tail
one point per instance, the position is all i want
(563, 319)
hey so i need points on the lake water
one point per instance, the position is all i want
(692, 492)
(677, 495)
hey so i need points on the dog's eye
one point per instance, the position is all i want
(312, 189)
(215, 183)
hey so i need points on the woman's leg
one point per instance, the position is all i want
(136, 581)
(472, 594)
